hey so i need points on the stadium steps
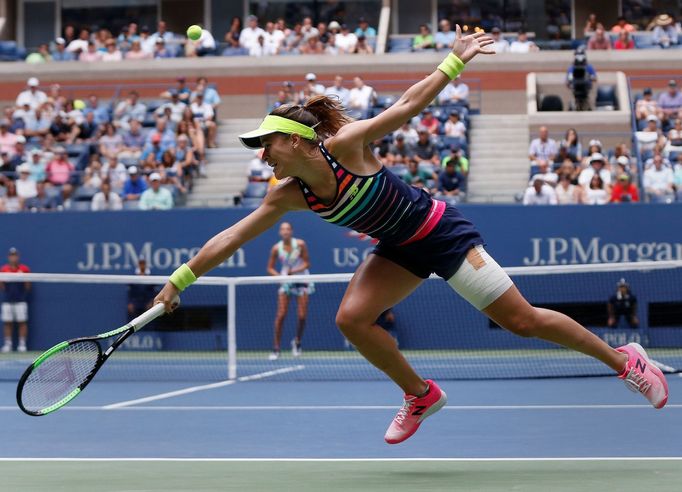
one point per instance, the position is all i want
(226, 167)
(499, 158)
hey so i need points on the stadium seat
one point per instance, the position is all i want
(255, 190)
(10, 51)
(672, 157)
(551, 102)
(234, 51)
(85, 193)
(400, 45)
(80, 206)
(606, 98)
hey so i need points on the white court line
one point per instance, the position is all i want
(278, 408)
(203, 387)
(350, 460)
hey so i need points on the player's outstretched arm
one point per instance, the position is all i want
(420, 95)
(224, 244)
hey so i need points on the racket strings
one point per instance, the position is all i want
(59, 375)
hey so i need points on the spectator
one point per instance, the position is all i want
(110, 144)
(15, 302)
(140, 296)
(312, 46)
(622, 303)
(294, 40)
(37, 166)
(162, 33)
(596, 167)
(419, 176)
(566, 192)
(34, 97)
(101, 111)
(37, 123)
(599, 40)
(248, 38)
(59, 54)
(669, 103)
(677, 178)
(134, 186)
(455, 93)
(42, 201)
(161, 49)
(153, 151)
(364, 29)
(26, 187)
(325, 35)
(646, 105)
(658, 183)
(112, 53)
(211, 95)
(624, 42)
(176, 106)
(543, 147)
(129, 109)
(363, 48)
(595, 193)
(407, 131)
(445, 37)
(429, 122)
(232, 36)
(93, 174)
(571, 169)
(590, 25)
(500, 44)
(19, 156)
(622, 25)
(544, 173)
(339, 91)
(523, 44)
(185, 161)
(424, 40)
(571, 144)
(674, 143)
(80, 45)
(623, 166)
(425, 149)
(8, 140)
(345, 41)
(11, 203)
(90, 54)
(650, 136)
(137, 53)
(461, 162)
(665, 33)
(59, 169)
(133, 141)
(360, 98)
(624, 190)
(205, 117)
(259, 170)
(311, 81)
(274, 38)
(156, 197)
(454, 127)
(146, 43)
(282, 98)
(105, 199)
(308, 30)
(539, 193)
(449, 184)
(399, 152)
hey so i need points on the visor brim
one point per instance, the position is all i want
(251, 139)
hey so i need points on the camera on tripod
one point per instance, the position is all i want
(580, 78)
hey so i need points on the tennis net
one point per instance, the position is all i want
(224, 328)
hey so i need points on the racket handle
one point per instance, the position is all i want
(150, 315)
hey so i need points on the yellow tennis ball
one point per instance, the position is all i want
(194, 32)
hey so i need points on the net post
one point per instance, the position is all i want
(232, 330)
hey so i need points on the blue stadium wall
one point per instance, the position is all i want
(110, 243)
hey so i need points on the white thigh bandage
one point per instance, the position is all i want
(480, 280)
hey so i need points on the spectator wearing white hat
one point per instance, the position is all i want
(32, 95)
(26, 187)
(596, 167)
(134, 186)
(59, 53)
(155, 197)
(311, 80)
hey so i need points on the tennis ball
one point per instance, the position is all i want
(194, 32)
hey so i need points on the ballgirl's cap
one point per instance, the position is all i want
(275, 124)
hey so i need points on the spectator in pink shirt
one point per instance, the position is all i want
(91, 55)
(59, 169)
(8, 140)
(599, 40)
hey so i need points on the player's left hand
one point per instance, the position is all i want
(466, 47)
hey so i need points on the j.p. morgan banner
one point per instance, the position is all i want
(112, 242)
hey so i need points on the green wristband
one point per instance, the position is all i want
(452, 66)
(183, 277)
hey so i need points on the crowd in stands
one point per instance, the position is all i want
(429, 151)
(70, 154)
(662, 32)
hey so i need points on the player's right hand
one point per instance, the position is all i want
(168, 297)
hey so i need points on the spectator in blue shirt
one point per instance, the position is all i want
(59, 54)
(450, 183)
(101, 110)
(161, 50)
(445, 37)
(364, 29)
(153, 151)
(134, 186)
(211, 95)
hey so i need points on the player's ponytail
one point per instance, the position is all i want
(324, 114)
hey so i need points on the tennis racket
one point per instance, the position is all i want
(62, 372)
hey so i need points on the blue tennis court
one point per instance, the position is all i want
(309, 435)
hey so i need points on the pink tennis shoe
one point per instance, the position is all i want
(413, 412)
(640, 375)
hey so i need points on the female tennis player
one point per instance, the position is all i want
(327, 166)
(292, 254)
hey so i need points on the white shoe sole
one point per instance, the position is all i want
(442, 401)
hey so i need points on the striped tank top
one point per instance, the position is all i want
(380, 205)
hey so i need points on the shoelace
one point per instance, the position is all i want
(404, 410)
(635, 382)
